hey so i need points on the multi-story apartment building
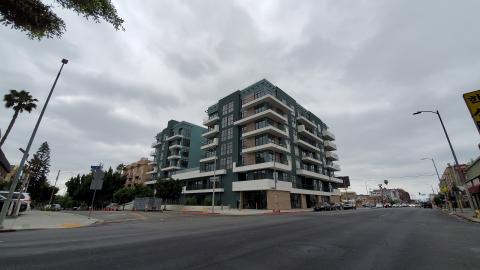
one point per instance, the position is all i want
(266, 151)
(450, 180)
(137, 172)
(176, 147)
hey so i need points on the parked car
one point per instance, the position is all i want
(53, 207)
(323, 206)
(426, 205)
(349, 205)
(24, 199)
(379, 205)
(337, 206)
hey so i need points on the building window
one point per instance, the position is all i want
(229, 162)
(227, 121)
(227, 108)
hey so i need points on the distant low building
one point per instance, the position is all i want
(395, 195)
(136, 172)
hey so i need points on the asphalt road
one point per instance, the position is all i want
(405, 238)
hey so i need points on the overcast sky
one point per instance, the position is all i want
(362, 66)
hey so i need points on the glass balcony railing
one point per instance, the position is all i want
(199, 186)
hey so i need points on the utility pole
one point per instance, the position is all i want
(7, 202)
(53, 189)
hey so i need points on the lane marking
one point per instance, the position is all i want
(70, 225)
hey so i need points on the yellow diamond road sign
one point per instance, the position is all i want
(472, 100)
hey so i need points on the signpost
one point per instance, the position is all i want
(472, 99)
(97, 182)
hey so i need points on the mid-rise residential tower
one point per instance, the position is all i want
(176, 147)
(266, 151)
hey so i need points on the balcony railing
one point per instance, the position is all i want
(328, 135)
(330, 146)
(210, 119)
(204, 186)
(250, 145)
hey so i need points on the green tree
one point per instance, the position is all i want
(78, 188)
(120, 168)
(142, 191)
(19, 102)
(39, 21)
(169, 189)
(65, 201)
(124, 195)
(39, 167)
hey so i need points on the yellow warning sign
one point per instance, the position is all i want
(472, 100)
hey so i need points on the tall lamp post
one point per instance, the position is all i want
(7, 202)
(451, 147)
(434, 165)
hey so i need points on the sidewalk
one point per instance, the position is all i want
(248, 212)
(45, 220)
(468, 214)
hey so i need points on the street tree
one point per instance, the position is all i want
(38, 19)
(168, 189)
(78, 187)
(19, 101)
(124, 195)
(142, 191)
(39, 167)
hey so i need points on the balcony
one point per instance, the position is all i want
(333, 167)
(155, 144)
(211, 132)
(175, 156)
(311, 159)
(306, 145)
(327, 135)
(174, 136)
(170, 168)
(304, 120)
(279, 166)
(208, 159)
(153, 162)
(153, 153)
(210, 120)
(302, 130)
(195, 173)
(210, 144)
(261, 184)
(177, 146)
(329, 155)
(267, 129)
(279, 148)
(152, 171)
(202, 188)
(267, 97)
(316, 175)
(269, 113)
(330, 146)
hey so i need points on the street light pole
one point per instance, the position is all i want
(451, 149)
(435, 166)
(7, 202)
(53, 189)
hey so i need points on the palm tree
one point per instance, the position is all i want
(19, 101)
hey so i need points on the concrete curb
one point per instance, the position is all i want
(471, 219)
